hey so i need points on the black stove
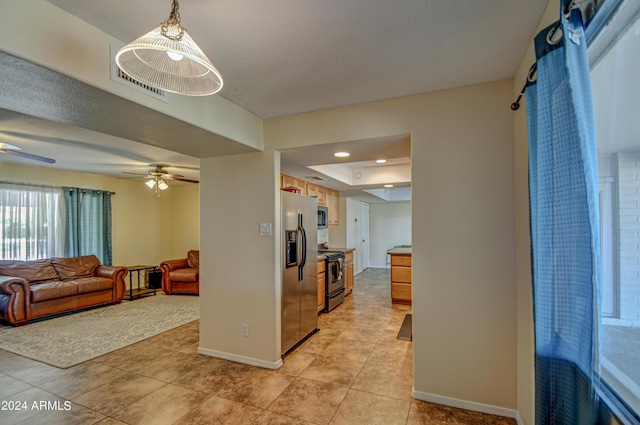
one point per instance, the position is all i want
(332, 255)
(334, 279)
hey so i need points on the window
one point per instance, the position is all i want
(43, 222)
(32, 220)
(615, 63)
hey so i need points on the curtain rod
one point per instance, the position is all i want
(567, 8)
(50, 186)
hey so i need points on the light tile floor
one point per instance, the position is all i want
(354, 371)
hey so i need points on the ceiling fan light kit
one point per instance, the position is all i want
(158, 183)
(167, 58)
(158, 176)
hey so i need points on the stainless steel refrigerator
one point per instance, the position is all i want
(299, 269)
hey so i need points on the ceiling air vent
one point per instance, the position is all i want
(318, 178)
(119, 76)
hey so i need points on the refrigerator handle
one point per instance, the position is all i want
(304, 247)
(301, 247)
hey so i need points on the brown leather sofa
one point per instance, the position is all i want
(33, 289)
(183, 275)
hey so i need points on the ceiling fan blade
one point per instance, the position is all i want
(135, 174)
(171, 176)
(180, 179)
(28, 156)
(184, 167)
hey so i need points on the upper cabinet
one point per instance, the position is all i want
(333, 205)
(317, 191)
(290, 181)
(326, 197)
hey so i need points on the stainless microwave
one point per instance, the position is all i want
(323, 217)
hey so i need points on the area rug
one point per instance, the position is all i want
(72, 339)
(406, 331)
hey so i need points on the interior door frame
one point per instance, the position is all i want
(365, 243)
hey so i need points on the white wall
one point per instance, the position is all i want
(389, 225)
(627, 186)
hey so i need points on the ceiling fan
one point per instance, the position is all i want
(158, 176)
(16, 151)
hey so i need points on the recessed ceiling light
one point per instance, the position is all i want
(388, 185)
(341, 154)
(381, 161)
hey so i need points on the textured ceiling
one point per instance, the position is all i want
(282, 57)
(277, 57)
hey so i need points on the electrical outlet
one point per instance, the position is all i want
(245, 329)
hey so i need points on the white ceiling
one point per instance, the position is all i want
(283, 57)
(340, 173)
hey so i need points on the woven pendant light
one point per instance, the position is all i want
(167, 58)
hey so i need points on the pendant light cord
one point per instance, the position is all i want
(173, 20)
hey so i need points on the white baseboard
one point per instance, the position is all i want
(240, 359)
(467, 405)
(518, 418)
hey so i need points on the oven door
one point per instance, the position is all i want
(335, 275)
(333, 300)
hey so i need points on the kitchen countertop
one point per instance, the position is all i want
(322, 256)
(399, 251)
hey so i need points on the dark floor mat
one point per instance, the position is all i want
(405, 330)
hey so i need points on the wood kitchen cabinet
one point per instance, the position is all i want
(317, 191)
(348, 273)
(321, 285)
(333, 204)
(401, 275)
(290, 181)
(326, 197)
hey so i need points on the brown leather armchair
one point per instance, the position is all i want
(183, 275)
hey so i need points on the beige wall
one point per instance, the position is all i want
(185, 220)
(144, 230)
(525, 353)
(463, 243)
(239, 283)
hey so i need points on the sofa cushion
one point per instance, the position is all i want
(184, 275)
(92, 284)
(52, 291)
(193, 259)
(37, 271)
(75, 267)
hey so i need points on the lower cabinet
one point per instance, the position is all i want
(401, 278)
(321, 285)
(348, 273)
